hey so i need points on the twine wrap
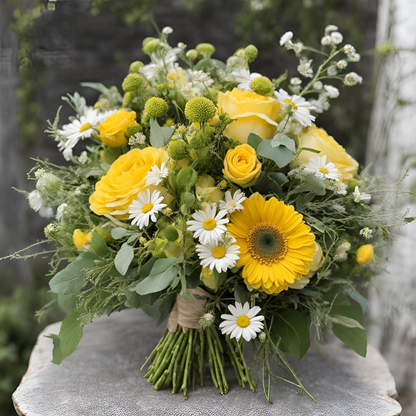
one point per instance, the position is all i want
(186, 313)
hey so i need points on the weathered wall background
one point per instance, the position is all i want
(76, 46)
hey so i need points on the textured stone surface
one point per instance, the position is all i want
(102, 378)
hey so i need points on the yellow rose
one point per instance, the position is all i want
(241, 165)
(115, 191)
(254, 113)
(113, 128)
(205, 189)
(365, 254)
(316, 138)
(81, 239)
(207, 278)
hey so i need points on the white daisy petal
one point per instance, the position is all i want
(145, 207)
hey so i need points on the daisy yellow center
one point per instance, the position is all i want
(324, 170)
(147, 207)
(209, 224)
(84, 127)
(232, 204)
(218, 252)
(243, 321)
(159, 174)
(267, 243)
(288, 101)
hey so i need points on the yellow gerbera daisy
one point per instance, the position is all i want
(276, 247)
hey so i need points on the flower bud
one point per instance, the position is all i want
(251, 53)
(133, 82)
(192, 54)
(205, 50)
(261, 86)
(48, 185)
(178, 150)
(200, 109)
(156, 107)
(135, 66)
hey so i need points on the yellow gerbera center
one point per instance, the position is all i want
(324, 170)
(209, 224)
(231, 204)
(218, 252)
(267, 243)
(243, 321)
(288, 101)
(84, 127)
(147, 207)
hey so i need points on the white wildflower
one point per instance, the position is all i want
(305, 68)
(331, 28)
(39, 172)
(35, 200)
(360, 197)
(332, 71)
(326, 40)
(336, 38)
(167, 30)
(61, 211)
(317, 85)
(366, 233)
(352, 79)
(137, 138)
(342, 64)
(332, 91)
(355, 57)
(295, 81)
(286, 38)
(83, 157)
(348, 49)
(298, 47)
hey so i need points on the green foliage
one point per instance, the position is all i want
(280, 153)
(159, 136)
(291, 332)
(123, 258)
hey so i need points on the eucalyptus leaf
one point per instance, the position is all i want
(123, 258)
(280, 155)
(73, 278)
(68, 303)
(96, 86)
(157, 282)
(253, 140)
(282, 140)
(358, 297)
(159, 136)
(160, 310)
(99, 245)
(240, 292)
(345, 321)
(311, 184)
(118, 233)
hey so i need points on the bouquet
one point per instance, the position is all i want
(206, 194)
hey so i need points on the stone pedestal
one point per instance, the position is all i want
(103, 378)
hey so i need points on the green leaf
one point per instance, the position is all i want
(253, 140)
(358, 297)
(90, 171)
(159, 311)
(278, 177)
(99, 245)
(355, 338)
(161, 276)
(345, 321)
(159, 136)
(292, 328)
(134, 300)
(280, 155)
(282, 140)
(70, 335)
(118, 233)
(123, 258)
(96, 86)
(240, 292)
(209, 64)
(68, 303)
(318, 225)
(146, 268)
(194, 279)
(311, 184)
(111, 154)
(72, 278)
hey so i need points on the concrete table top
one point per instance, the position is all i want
(103, 378)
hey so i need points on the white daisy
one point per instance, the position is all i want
(331, 91)
(232, 203)
(286, 38)
(305, 68)
(145, 208)
(35, 200)
(366, 233)
(243, 76)
(243, 322)
(207, 225)
(156, 175)
(300, 107)
(61, 211)
(360, 197)
(79, 129)
(321, 169)
(218, 257)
